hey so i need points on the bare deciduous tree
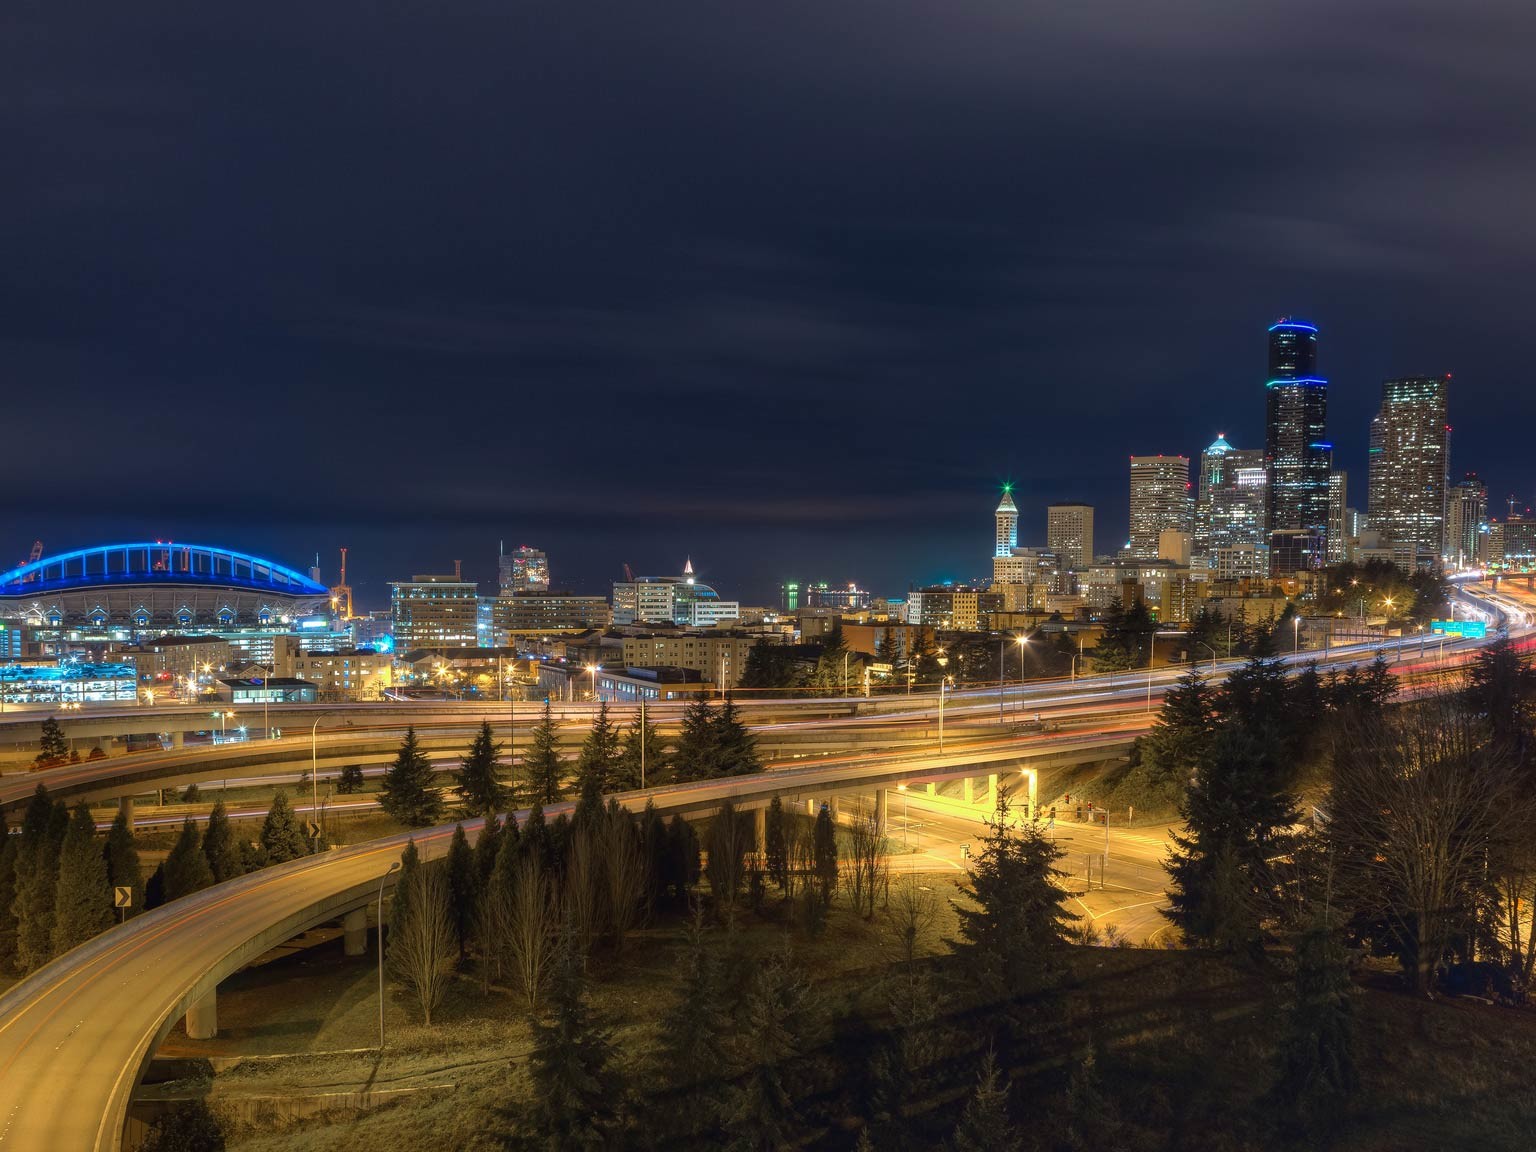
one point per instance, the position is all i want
(868, 866)
(582, 893)
(530, 922)
(1420, 804)
(422, 951)
(729, 840)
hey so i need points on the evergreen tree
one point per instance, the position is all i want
(1317, 1063)
(1164, 760)
(400, 899)
(534, 840)
(220, 847)
(1501, 687)
(683, 858)
(654, 848)
(658, 769)
(985, 1125)
(154, 888)
(350, 780)
(1238, 817)
(52, 748)
(824, 854)
(407, 794)
(37, 874)
(488, 844)
(186, 868)
(8, 848)
(888, 647)
(281, 837)
(776, 843)
(479, 784)
(598, 762)
(122, 858)
(692, 1051)
(735, 749)
(773, 1032)
(1009, 940)
(695, 758)
(576, 1086)
(83, 900)
(463, 886)
(542, 764)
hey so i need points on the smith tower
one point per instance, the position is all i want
(1297, 454)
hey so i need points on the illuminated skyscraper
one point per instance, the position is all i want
(1159, 501)
(1069, 534)
(1007, 515)
(1466, 521)
(1409, 449)
(1232, 500)
(524, 569)
(1338, 503)
(1297, 454)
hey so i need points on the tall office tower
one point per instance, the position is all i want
(1213, 475)
(1466, 515)
(1409, 450)
(524, 569)
(1296, 450)
(1007, 524)
(1231, 505)
(1338, 501)
(1069, 534)
(1159, 500)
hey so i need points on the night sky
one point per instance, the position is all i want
(788, 287)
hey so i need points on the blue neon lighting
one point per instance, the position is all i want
(1290, 325)
(29, 579)
(1312, 381)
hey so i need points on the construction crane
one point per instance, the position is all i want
(629, 576)
(341, 595)
(37, 552)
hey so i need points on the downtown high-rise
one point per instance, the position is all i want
(1069, 534)
(1160, 502)
(1410, 444)
(1466, 523)
(1297, 454)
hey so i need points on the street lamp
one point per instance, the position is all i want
(592, 668)
(1296, 634)
(1002, 675)
(314, 778)
(944, 683)
(393, 868)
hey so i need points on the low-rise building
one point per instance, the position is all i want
(550, 613)
(720, 657)
(267, 690)
(632, 685)
(953, 608)
(353, 674)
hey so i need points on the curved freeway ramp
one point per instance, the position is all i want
(76, 1035)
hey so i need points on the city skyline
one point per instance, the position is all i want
(844, 330)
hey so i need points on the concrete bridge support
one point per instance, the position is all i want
(203, 1017)
(837, 809)
(882, 811)
(992, 791)
(354, 932)
(968, 790)
(760, 831)
(178, 739)
(125, 807)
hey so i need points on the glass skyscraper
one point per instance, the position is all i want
(1297, 454)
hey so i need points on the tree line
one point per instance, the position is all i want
(57, 875)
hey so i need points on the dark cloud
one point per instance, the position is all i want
(787, 286)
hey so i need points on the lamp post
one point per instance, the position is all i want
(1296, 634)
(943, 685)
(314, 775)
(592, 668)
(393, 868)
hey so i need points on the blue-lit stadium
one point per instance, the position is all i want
(155, 586)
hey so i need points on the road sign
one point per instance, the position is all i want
(313, 829)
(122, 897)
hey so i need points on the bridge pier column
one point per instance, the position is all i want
(837, 809)
(354, 932)
(992, 790)
(810, 805)
(125, 808)
(933, 788)
(968, 790)
(203, 1017)
(178, 739)
(760, 831)
(881, 810)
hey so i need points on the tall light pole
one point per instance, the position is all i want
(1296, 634)
(943, 685)
(393, 868)
(592, 668)
(314, 776)
(643, 742)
